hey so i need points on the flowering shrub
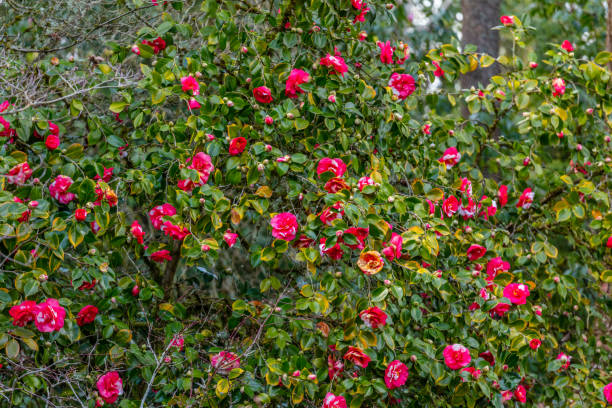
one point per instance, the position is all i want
(292, 213)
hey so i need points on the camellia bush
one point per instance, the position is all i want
(284, 211)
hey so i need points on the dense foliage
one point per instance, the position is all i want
(265, 206)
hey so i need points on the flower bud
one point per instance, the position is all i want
(533, 65)
(260, 167)
(269, 120)
(290, 115)
(205, 248)
(43, 277)
(230, 103)
(579, 147)
(198, 74)
(312, 377)
(113, 300)
(135, 291)
(33, 204)
(607, 139)
(332, 98)
(413, 358)
(296, 373)
(556, 279)
(268, 148)
(387, 282)
(389, 6)
(589, 111)
(244, 49)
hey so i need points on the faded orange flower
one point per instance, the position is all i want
(370, 262)
(323, 328)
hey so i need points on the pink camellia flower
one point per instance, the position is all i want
(295, 79)
(365, 181)
(507, 20)
(49, 316)
(567, 46)
(474, 373)
(193, 104)
(87, 315)
(439, 72)
(178, 341)
(284, 226)
(230, 238)
(559, 86)
(450, 206)
(357, 4)
(607, 392)
(137, 232)
(450, 157)
(456, 356)
(328, 215)
(335, 166)
(161, 256)
(503, 195)
(517, 293)
(334, 252)
(158, 213)
(361, 16)
(80, 214)
(427, 129)
(135, 49)
(535, 344)
(224, 362)
(175, 231)
(202, 163)
(59, 189)
(361, 37)
(396, 374)
(263, 94)
(332, 98)
(393, 249)
(357, 356)
(520, 394)
(373, 317)
(23, 313)
(386, 52)
(19, 174)
(466, 187)
(335, 62)
(565, 359)
(468, 210)
(189, 83)
(475, 252)
(237, 145)
(402, 85)
(506, 395)
(525, 199)
(110, 386)
(6, 130)
(495, 266)
(4, 106)
(334, 401)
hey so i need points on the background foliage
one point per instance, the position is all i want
(285, 309)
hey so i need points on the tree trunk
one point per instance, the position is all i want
(609, 32)
(479, 16)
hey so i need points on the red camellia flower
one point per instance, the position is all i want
(506, 395)
(396, 374)
(80, 214)
(23, 313)
(373, 317)
(357, 356)
(558, 86)
(230, 238)
(335, 166)
(361, 16)
(475, 373)
(334, 252)
(488, 356)
(19, 174)
(157, 213)
(334, 401)
(525, 199)
(175, 231)
(439, 72)
(450, 157)
(263, 94)
(49, 316)
(59, 189)
(328, 215)
(393, 249)
(520, 394)
(475, 252)
(517, 293)
(402, 85)
(609, 242)
(450, 206)
(224, 362)
(360, 234)
(237, 145)
(535, 343)
(607, 392)
(157, 44)
(365, 181)
(499, 310)
(202, 163)
(107, 174)
(336, 62)
(495, 266)
(503, 195)
(295, 79)
(87, 315)
(336, 184)
(284, 226)
(386, 52)
(565, 359)
(88, 285)
(5, 128)
(189, 83)
(507, 20)
(137, 232)
(178, 341)
(456, 356)
(161, 256)
(110, 386)
(567, 46)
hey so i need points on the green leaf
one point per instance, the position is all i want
(118, 107)
(12, 349)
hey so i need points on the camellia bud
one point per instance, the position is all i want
(248, 80)
(387, 282)
(338, 274)
(290, 115)
(526, 161)
(205, 248)
(43, 277)
(277, 309)
(391, 199)
(244, 49)
(579, 147)
(389, 6)
(269, 120)
(301, 197)
(54, 61)
(230, 103)
(607, 139)
(413, 358)
(589, 111)
(451, 132)
(533, 64)
(198, 74)
(268, 148)
(33, 204)
(312, 377)
(92, 251)
(260, 167)
(113, 300)
(475, 274)
(332, 98)
(505, 367)
(135, 291)
(296, 373)
(36, 180)
(210, 137)
(556, 279)
(398, 116)
(202, 200)
(560, 135)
